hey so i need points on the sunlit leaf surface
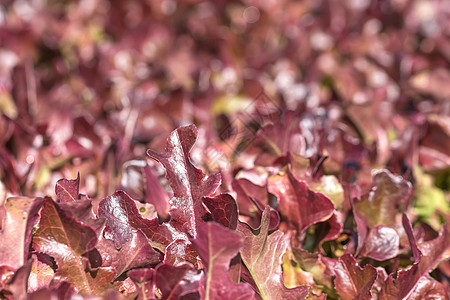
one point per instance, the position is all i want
(193, 149)
(262, 254)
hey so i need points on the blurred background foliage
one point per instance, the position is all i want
(89, 85)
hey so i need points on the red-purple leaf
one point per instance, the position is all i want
(66, 240)
(262, 255)
(245, 192)
(81, 211)
(217, 245)
(235, 268)
(57, 228)
(99, 281)
(253, 199)
(389, 196)
(140, 181)
(320, 267)
(117, 209)
(353, 282)
(189, 184)
(429, 288)
(134, 254)
(223, 209)
(90, 87)
(15, 235)
(144, 279)
(427, 256)
(361, 226)
(40, 276)
(274, 216)
(298, 204)
(417, 254)
(335, 225)
(154, 192)
(379, 281)
(381, 243)
(67, 190)
(179, 251)
(123, 219)
(177, 281)
(63, 291)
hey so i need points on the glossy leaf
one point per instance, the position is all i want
(224, 210)
(332, 90)
(66, 240)
(262, 255)
(189, 184)
(381, 243)
(389, 197)
(217, 245)
(40, 276)
(134, 254)
(179, 251)
(352, 281)
(123, 219)
(82, 211)
(429, 288)
(427, 256)
(15, 235)
(177, 281)
(67, 190)
(298, 204)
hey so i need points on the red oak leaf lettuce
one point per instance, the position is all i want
(67, 190)
(40, 276)
(261, 254)
(66, 240)
(123, 219)
(144, 279)
(299, 205)
(16, 230)
(179, 251)
(216, 246)
(189, 184)
(352, 281)
(134, 254)
(154, 192)
(427, 256)
(224, 210)
(381, 243)
(389, 197)
(178, 281)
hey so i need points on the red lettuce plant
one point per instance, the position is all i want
(121, 247)
(318, 165)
